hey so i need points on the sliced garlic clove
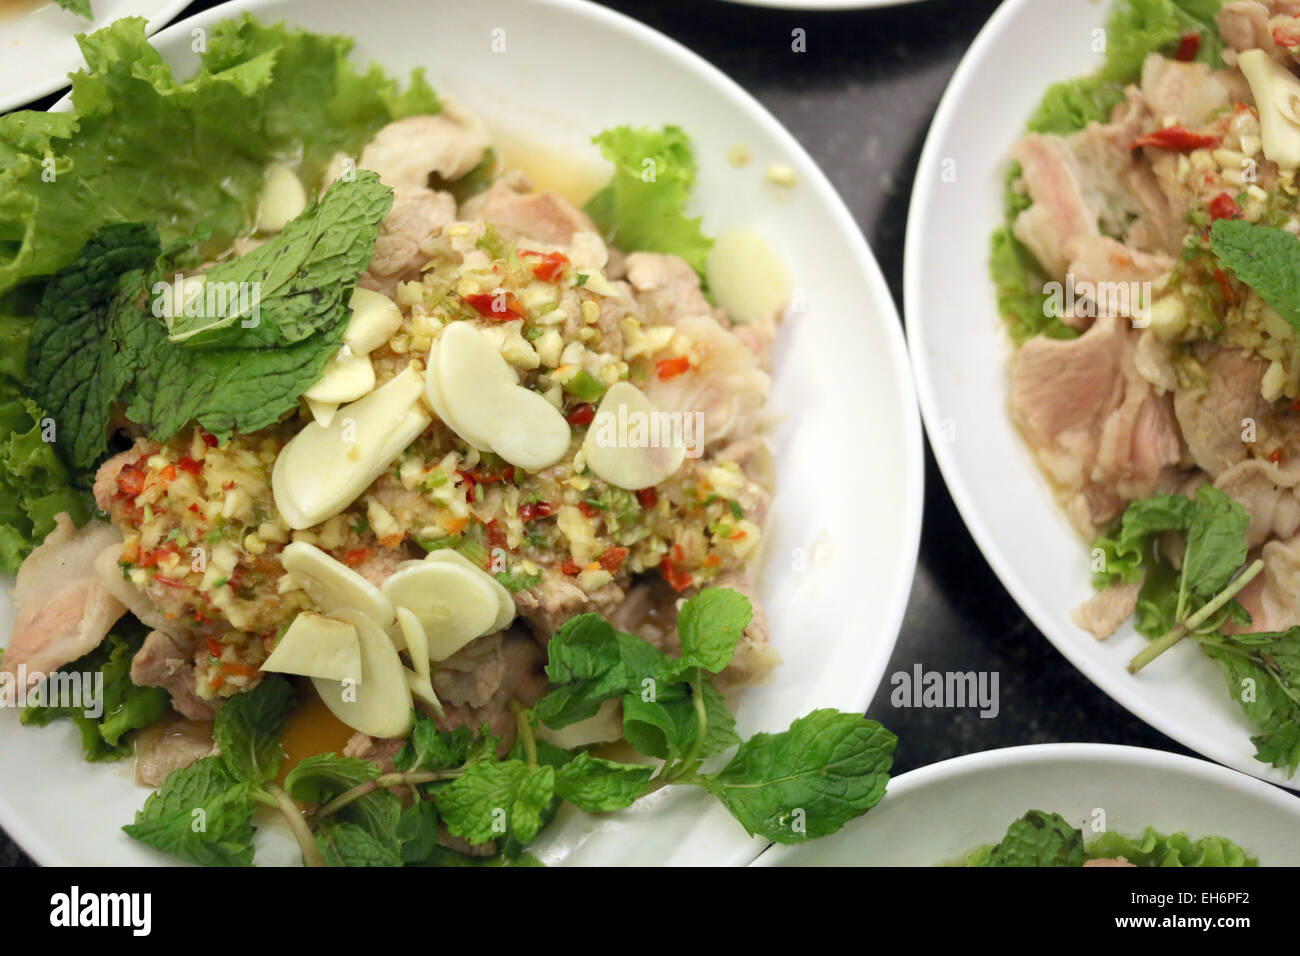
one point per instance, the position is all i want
(283, 198)
(455, 605)
(746, 277)
(323, 412)
(346, 377)
(323, 470)
(507, 612)
(417, 642)
(317, 646)
(333, 586)
(622, 444)
(375, 317)
(1277, 93)
(605, 726)
(376, 701)
(530, 433)
(469, 375)
(433, 391)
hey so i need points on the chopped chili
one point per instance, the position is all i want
(357, 556)
(582, 414)
(588, 509)
(1177, 138)
(188, 464)
(1225, 286)
(208, 439)
(569, 568)
(551, 267)
(1286, 38)
(1275, 456)
(496, 535)
(671, 368)
(535, 510)
(1188, 46)
(130, 480)
(647, 497)
(1224, 206)
(502, 307)
(612, 559)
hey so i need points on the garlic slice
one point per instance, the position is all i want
(612, 448)
(507, 612)
(377, 701)
(283, 198)
(375, 317)
(417, 642)
(454, 604)
(333, 586)
(323, 412)
(317, 646)
(346, 377)
(433, 392)
(1277, 96)
(746, 277)
(323, 470)
(487, 407)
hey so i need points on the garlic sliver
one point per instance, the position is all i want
(608, 449)
(380, 703)
(530, 432)
(1277, 94)
(421, 680)
(323, 412)
(433, 392)
(283, 198)
(323, 470)
(317, 646)
(375, 317)
(453, 604)
(746, 277)
(469, 376)
(507, 611)
(346, 377)
(332, 585)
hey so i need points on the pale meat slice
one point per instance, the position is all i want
(1273, 597)
(171, 746)
(666, 287)
(1103, 613)
(557, 598)
(418, 214)
(168, 662)
(522, 678)
(1190, 93)
(1216, 420)
(1269, 496)
(1094, 423)
(408, 152)
(517, 212)
(1243, 24)
(63, 610)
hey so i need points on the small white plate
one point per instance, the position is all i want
(38, 41)
(940, 813)
(841, 547)
(960, 353)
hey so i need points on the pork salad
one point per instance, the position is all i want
(321, 418)
(1146, 271)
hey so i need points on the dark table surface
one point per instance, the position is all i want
(860, 100)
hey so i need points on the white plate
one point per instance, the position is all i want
(850, 472)
(960, 352)
(38, 44)
(938, 814)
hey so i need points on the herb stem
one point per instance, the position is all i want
(702, 725)
(524, 723)
(1180, 630)
(311, 854)
(383, 781)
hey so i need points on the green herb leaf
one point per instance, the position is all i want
(429, 748)
(1265, 258)
(599, 786)
(346, 844)
(491, 800)
(1154, 849)
(202, 815)
(808, 781)
(322, 777)
(1036, 839)
(248, 729)
(709, 625)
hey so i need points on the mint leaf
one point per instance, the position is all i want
(80, 7)
(429, 748)
(709, 626)
(599, 786)
(1036, 839)
(303, 277)
(1216, 543)
(202, 815)
(248, 729)
(1263, 675)
(1265, 258)
(658, 728)
(322, 777)
(417, 832)
(74, 358)
(585, 668)
(494, 799)
(808, 781)
(346, 844)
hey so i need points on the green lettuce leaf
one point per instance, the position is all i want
(643, 205)
(1155, 849)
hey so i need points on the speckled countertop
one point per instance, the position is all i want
(860, 100)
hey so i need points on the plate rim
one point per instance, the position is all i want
(39, 89)
(923, 196)
(891, 612)
(1079, 753)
